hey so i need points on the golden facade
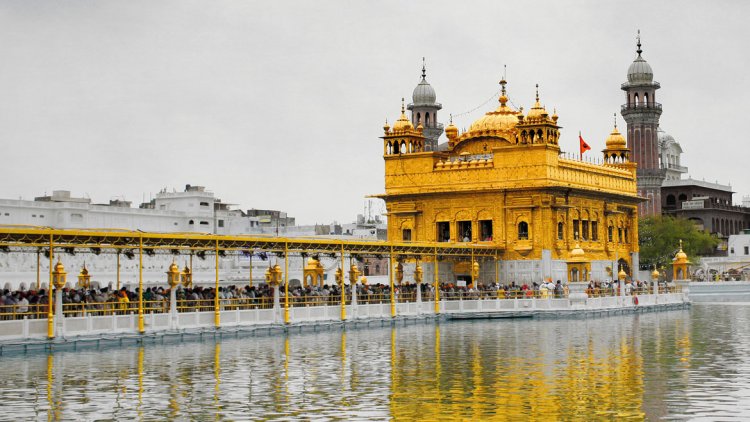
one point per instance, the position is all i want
(505, 182)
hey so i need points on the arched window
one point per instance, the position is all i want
(389, 148)
(419, 118)
(402, 148)
(523, 230)
(560, 229)
(191, 222)
(645, 99)
(427, 119)
(671, 201)
(574, 275)
(610, 233)
(636, 100)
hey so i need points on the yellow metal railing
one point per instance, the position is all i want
(113, 308)
(31, 311)
(39, 311)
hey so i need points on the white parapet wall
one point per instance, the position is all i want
(72, 327)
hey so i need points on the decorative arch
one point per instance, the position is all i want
(463, 215)
(483, 214)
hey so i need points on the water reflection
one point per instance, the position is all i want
(681, 364)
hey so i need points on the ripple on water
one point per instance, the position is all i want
(673, 365)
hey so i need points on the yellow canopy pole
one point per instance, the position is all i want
(437, 286)
(38, 270)
(50, 314)
(141, 324)
(118, 270)
(217, 313)
(286, 283)
(343, 287)
(390, 278)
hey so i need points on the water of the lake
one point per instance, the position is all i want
(689, 364)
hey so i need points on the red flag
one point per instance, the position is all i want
(584, 146)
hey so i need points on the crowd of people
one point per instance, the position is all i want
(33, 303)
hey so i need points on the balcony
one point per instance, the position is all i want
(681, 169)
(641, 106)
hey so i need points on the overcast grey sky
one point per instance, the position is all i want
(279, 104)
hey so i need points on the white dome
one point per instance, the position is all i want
(423, 94)
(640, 71)
(667, 141)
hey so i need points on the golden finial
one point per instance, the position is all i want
(402, 105)
(680, 244)
(451, 119)
(537, 92)
(615, 117)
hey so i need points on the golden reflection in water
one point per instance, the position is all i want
(50, 377)
(174, 399)
(438, 366)
(139, 369)
(342, 380)
(217, 378)
(600, 377)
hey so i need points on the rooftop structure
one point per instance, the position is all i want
(193, 210)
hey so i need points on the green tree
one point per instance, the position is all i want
(659, 239)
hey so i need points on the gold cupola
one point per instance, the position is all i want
(537, 112)
(451, 131)
(403, 138)
(616, 151)
(403, 123)
(502, 119)
(538, 127)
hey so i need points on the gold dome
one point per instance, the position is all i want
(680, 256)
(577, 252)
(174, 268)
(386, 126)
(622, 274)
(84, 270)
(503, 118)
(403, 123)
(655, 274)
(537, 112)
(616, 140)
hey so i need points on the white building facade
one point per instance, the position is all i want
(193, 210)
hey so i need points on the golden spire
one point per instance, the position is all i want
(503, 98)
(537, 93)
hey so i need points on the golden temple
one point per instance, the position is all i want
(505, 182)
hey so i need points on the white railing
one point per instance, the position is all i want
(119, 324)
